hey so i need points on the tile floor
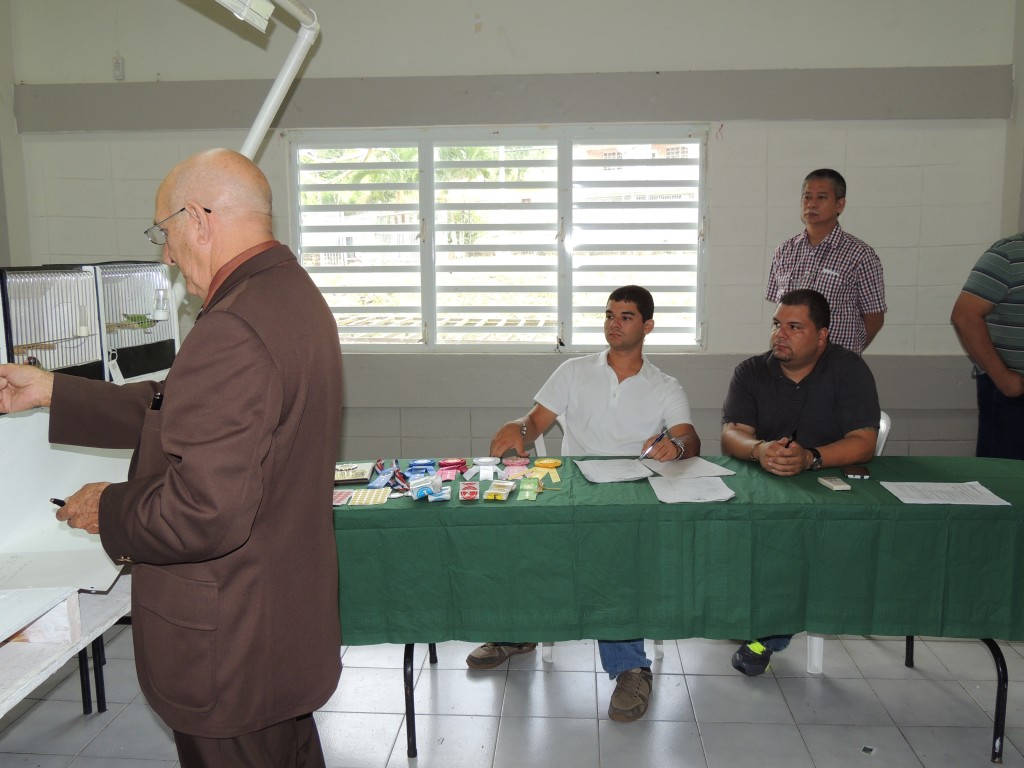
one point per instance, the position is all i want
(866, 711)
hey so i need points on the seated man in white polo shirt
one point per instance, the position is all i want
(613, 403)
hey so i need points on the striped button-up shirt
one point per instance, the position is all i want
(845, 270)
(998, 277)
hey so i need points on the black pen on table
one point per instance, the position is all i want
(57, 502)
(657, 440)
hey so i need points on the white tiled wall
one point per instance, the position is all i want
(91, 195)
(925, 194)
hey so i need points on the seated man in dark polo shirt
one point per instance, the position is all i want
(805, 405)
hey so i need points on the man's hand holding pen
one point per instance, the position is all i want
(660, 448)
(784, 457)
(82, 508)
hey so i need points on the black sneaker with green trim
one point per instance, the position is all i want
(751, 659)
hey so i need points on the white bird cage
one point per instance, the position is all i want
(51, 319)
(139, 320)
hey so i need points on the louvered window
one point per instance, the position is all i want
(488, 239)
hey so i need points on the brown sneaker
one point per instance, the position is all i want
(491, 655)
(632, 693)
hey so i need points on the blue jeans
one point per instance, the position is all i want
(619, 655)
(775, 642)
(1000, 422)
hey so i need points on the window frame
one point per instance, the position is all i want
(426, 138)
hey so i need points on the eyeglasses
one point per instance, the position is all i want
(157, 235)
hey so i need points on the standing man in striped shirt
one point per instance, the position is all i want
(989, 319)
(845, 270)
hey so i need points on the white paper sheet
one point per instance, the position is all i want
(613, 470)
(695, 467)
(944, 493)
(672, 490)
(36, 550)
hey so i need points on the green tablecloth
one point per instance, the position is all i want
(610, 561)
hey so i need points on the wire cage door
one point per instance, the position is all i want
(51, 319)
(140, 325)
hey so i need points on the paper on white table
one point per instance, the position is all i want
(675, 489)
(36, 549)
(944, 493)
(613, 470)
(695, 467)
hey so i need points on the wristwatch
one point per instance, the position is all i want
(678, 443)
(816, 460)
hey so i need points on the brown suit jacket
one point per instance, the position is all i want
(226, 512)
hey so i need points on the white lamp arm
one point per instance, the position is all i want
(300, 12)
(308, 32)
(305, 40)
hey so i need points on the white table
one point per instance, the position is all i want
(26, 665)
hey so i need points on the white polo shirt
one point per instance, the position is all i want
(603, 417)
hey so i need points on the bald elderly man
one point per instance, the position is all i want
(226, 513)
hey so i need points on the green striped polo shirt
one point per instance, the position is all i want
(998, 277)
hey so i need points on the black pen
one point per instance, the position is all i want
(790, 439)
(657, 440)
(57, 502)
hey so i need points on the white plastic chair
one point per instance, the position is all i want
(883, 433)
(539, 447)
(816, 643)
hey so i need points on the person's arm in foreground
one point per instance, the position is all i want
(666, 450)
(782, 456)
(968, 318)
(23, 387)
(873, 323)
(510, 435)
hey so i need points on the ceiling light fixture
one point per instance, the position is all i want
(257, 13)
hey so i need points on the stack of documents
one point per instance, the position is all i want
(687, 468)
(688, 480)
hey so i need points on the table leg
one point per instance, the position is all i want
(1002, 686)
(815, 654)
(410, 705)
(433, 653)
(908, 660)
(83, 676)
(103, 652)
(98, 660)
